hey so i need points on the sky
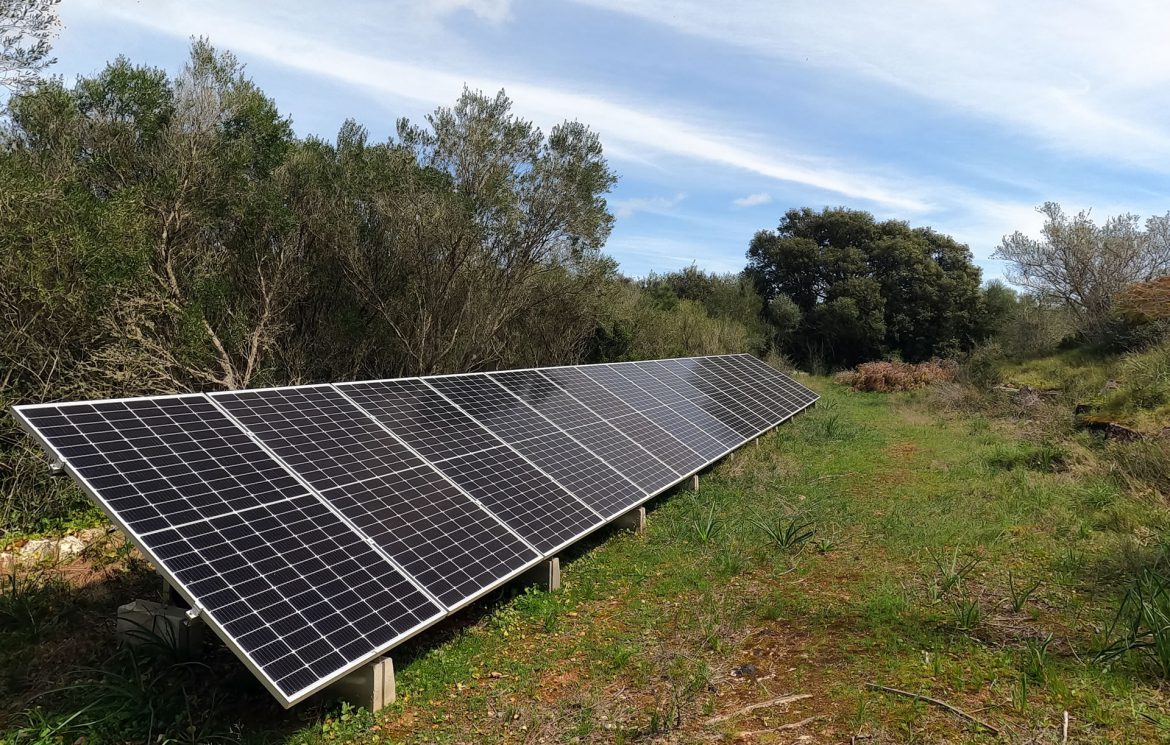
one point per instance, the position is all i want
(718, 117)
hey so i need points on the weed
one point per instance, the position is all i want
(1034, 659)
(967, 614)
(787, 534)
(949, 574)
(1141, 625)
(705, 524)
(33, 603)
(1018, 595)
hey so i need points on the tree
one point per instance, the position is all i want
(866, 289)
(1083, 265)
(26, 27)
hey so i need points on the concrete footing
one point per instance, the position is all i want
(634, 520)
(546, 575)
(148, 622)
(370, 686)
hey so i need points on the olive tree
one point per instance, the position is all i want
(1084, 266)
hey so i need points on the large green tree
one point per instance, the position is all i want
(865, 289)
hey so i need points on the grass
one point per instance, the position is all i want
(876, 539)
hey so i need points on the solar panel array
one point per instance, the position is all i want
(316, 527)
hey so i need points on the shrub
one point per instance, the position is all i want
(982, 368)
(887, 377)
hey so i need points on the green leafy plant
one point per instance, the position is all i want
(1141, 625)
(1034, 658)
(1019, 594)
(706, 524)
(967, 614)
(789, 534)
(950, 573)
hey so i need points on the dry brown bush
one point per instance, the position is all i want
(887, 377)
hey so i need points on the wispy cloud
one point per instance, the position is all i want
(1076, 76)
(655, 205)
(627, 127)
(753, 200)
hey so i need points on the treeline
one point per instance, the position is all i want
(171, 233)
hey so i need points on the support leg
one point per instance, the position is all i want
(546, 575)
(695, 482)
(370, 686)
(634, 520)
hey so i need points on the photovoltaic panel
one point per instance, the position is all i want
(620, 452)
(300, 593)
(648, 380)
(526, 500)
(582, 473)
(443, 539)
(708, 387)
(279, 576)
(778, 403)
(318, 526)
(681, 428)
(322, 437)
(420, 416)
(159, 462)
(767, 373)
(493, 407)
(624, 418)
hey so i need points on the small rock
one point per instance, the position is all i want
(89, 535)
(745, 671)
(70, 546)
(38, 549)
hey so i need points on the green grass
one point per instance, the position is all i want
(874, 539)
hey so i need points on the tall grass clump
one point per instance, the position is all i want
(1141, 627)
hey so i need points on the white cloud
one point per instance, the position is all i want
(753, 200)
(1086, 77)
(625, 128)
(653, 205)
(495, 11)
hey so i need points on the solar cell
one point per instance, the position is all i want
(769, 374)
(708, 384)
(320, 435)
(420, 416)
(165, 461)
(627, 420)
(619, 451)
(443, 539)
(681, 428)
(547, 446)
(645, 378)
(526, 500)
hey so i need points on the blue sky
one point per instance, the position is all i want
(718, 117)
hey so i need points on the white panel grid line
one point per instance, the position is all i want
(469, 496)
(337, 513)
(529, 462)
(636, 418)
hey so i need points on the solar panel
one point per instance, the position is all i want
(627, 420)
(296, 592)
(318, 526)
(526, 500)
(320, 435)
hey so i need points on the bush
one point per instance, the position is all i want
(887, 377)
(982, 368)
